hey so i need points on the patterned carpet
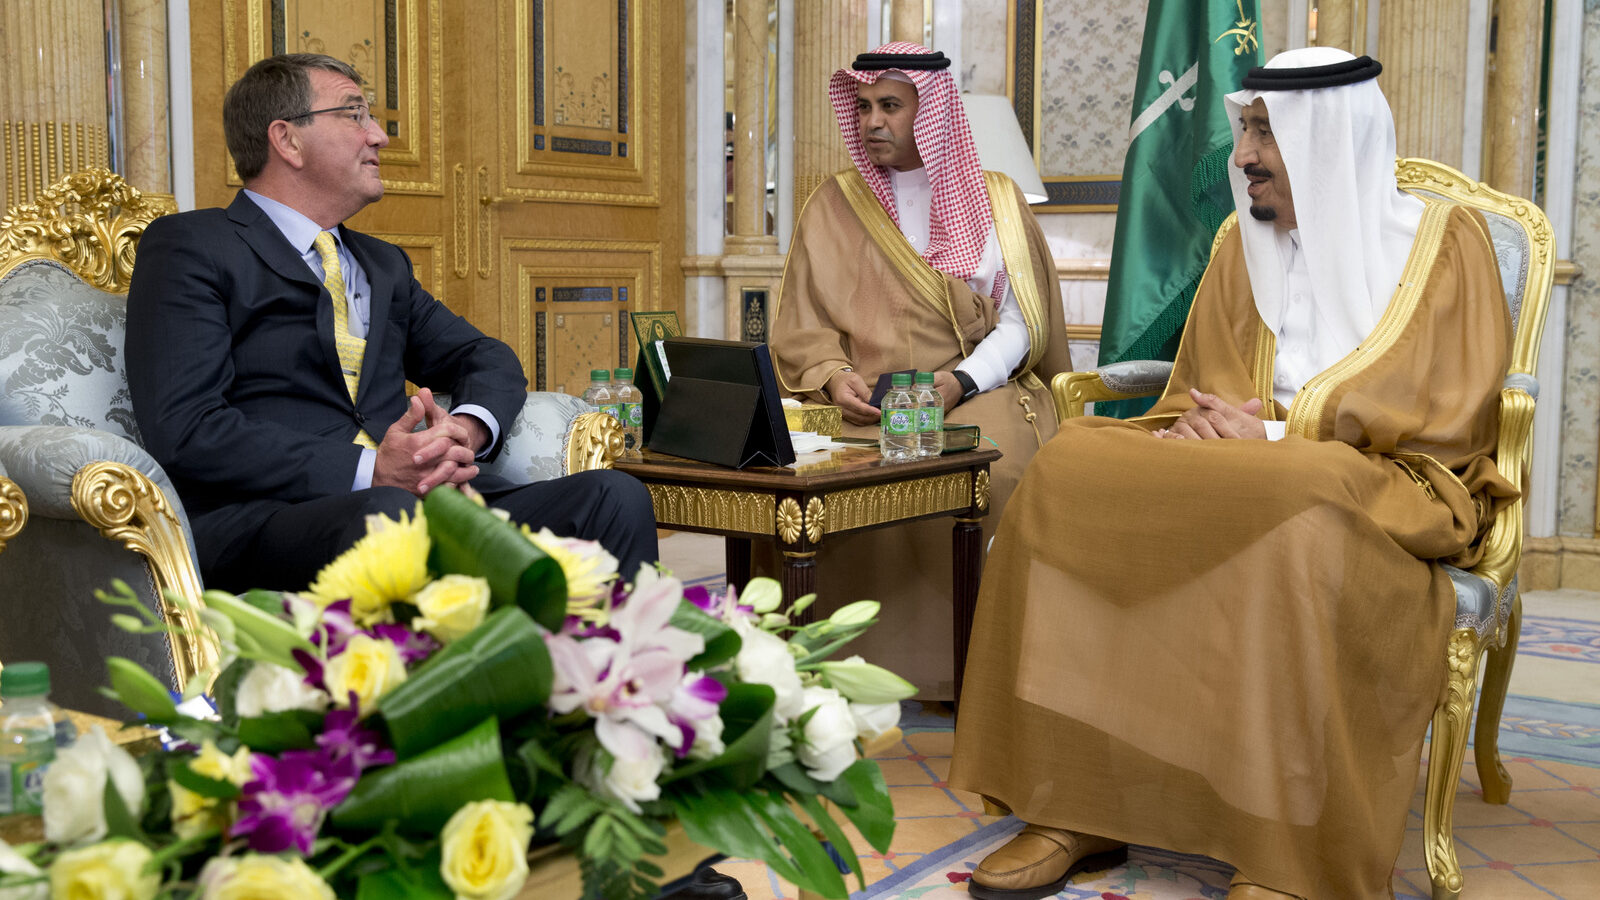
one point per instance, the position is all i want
(1544, 843)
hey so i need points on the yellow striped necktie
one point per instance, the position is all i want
(350, 347)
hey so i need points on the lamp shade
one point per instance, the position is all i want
(1000, 144)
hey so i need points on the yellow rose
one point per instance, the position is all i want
(254, 877)
(368, 666)
(106, 871)
(484, 850)
(193, 813)
(451, 606)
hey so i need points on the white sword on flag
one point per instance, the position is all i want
(1173, 94)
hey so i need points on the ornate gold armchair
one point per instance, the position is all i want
(1488, 605)
(80, 500)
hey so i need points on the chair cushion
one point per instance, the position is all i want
(61, 360)
(536, 444)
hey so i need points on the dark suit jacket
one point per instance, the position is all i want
(235, 379)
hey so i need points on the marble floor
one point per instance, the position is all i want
(1544, 843)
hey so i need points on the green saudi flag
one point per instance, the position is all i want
(1175, 179)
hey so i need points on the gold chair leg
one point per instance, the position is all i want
(992, 807)
(1450, 722)
(1495, 779)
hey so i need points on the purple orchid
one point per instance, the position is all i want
(343, 736)
(701, 598)
(414, 646)
(286, 803)
(696, 702)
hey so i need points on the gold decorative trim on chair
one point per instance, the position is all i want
(127, 507)
(90, 220)
(594, 442)
(13, 510)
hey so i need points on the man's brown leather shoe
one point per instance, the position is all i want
(1241, 888)
(1039, 860)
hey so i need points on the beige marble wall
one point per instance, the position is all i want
(1580, 413)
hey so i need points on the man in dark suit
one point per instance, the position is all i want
(268, 349)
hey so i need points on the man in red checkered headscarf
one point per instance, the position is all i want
(915, 258)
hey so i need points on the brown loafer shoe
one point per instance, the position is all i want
(1039, 860)
(1241, 888)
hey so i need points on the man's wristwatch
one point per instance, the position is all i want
(969, 388)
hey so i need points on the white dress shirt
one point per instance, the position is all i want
(301, 233)
(1003, 349)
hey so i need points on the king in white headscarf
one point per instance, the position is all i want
(1227, 646)
(915, 258)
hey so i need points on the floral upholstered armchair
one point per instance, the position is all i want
(1488, 603)
(81, 502)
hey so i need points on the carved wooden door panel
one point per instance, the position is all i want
(535, 163)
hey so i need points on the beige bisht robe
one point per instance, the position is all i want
(855, 293)
(1233, 647)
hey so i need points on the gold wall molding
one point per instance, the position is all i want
(53, 103)
(127, 507)
(13, 510)
(698, 507)
(816, 519)
(38, 153)
(788, 520)
(879, 503)
(718, 266)
(980, 490)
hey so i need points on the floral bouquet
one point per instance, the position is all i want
(453, 691)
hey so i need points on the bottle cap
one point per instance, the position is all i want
(623, 372)
(25, 679)
(599, 375)
(900, 379)
(924, 378)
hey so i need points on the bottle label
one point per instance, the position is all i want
(22, 777)
(613, 410)
(632, 415)
(930, 419)
(899, 421)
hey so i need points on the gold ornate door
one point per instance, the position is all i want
(534, 171)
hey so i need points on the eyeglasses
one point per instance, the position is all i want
(358, 113)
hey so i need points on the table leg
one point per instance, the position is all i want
(966, 542)
(736, 555)
(799, 579)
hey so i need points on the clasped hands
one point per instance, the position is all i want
(850, 393)
(441, 453)
(1212, 417)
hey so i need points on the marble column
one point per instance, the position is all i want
(749, 232)
(1342, 24)
(1423, 72)
(827, 36)
(906, 21)
(146, 156)
(53, 97)
(1513, 97)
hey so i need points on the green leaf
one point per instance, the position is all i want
(120, 820)
(834, 834)
(260, 634)
(423, 792)
(725, 820)
(415, 881)
(293, 729)
(140, 691)
(746, 733)
(470, 540)
(269, 602)
(863, 682)
(180, 771)
(819, 872)
(873, 814)
(501, 668)
(722, 642)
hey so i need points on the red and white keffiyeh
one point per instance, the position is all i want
(960, 222)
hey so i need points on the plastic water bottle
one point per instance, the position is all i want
(599, 395)
(930, 416)
(28, 733)
(630, 411)
(899, 424)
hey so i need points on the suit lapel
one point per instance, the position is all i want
(380, 288)
(274, 250)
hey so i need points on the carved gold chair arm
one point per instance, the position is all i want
(13, 510)
(126, 506)
(594, 442)
(1072, 391)
(1503, 544)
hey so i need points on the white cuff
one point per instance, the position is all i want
(484, 416)
(369, 458)
(1275, 430)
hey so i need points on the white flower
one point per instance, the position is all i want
(13, 863)
(269, 688)
(873, 719)
(629, 781)
(75, 785)
(828, 747)
(764, 658)
(707, 739)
